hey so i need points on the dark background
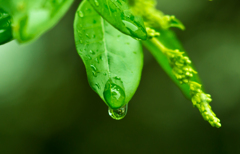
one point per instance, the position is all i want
(47, 106)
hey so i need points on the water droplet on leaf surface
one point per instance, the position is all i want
(134, 30)
(118, 114)
(114, 95)
(92, 52)
(80, 13)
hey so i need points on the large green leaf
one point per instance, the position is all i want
(31, 18)
(170, 41)
(118, 14)
(5, 27)
(112, 59)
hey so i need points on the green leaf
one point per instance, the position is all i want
(112, 59)
(118, 14)
(31, 18)
(5, 27)
(170, 41)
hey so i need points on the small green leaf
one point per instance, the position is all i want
(112, 59)
(31, 18)
(5, 27)
(118, 14)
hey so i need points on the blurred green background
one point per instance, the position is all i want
(47, 106)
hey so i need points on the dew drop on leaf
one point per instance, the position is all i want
(131, 27)
(114, 95)
(117, 78)
(96, 59)
(118, 114)
(89, 57)
(98, 86)
(80, 13)
(92, 52)
(94, 70)
(94, 73)
(88, 35)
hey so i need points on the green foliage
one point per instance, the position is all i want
(118, 14)
(170, 42)
(112, 59)
(165, 48)
(5, 26)
(31, 18)
(108, 36)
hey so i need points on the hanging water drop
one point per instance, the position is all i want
(118, 114)
(114, 95)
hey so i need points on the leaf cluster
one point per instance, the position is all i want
(109, 35)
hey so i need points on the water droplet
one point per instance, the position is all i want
(92, 52)
(117, 78)
(94, 73)
(96, 59)
(80, 13)
(130, 26)
(118, 114)
(134, 30)
(96, 2)
(114, 95)
(89, 57)
(98, 86)
(88, 35)
(93, 68)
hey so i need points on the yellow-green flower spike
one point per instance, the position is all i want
(154, 18)
(201, 100)
(152, 33)
(181, 65)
